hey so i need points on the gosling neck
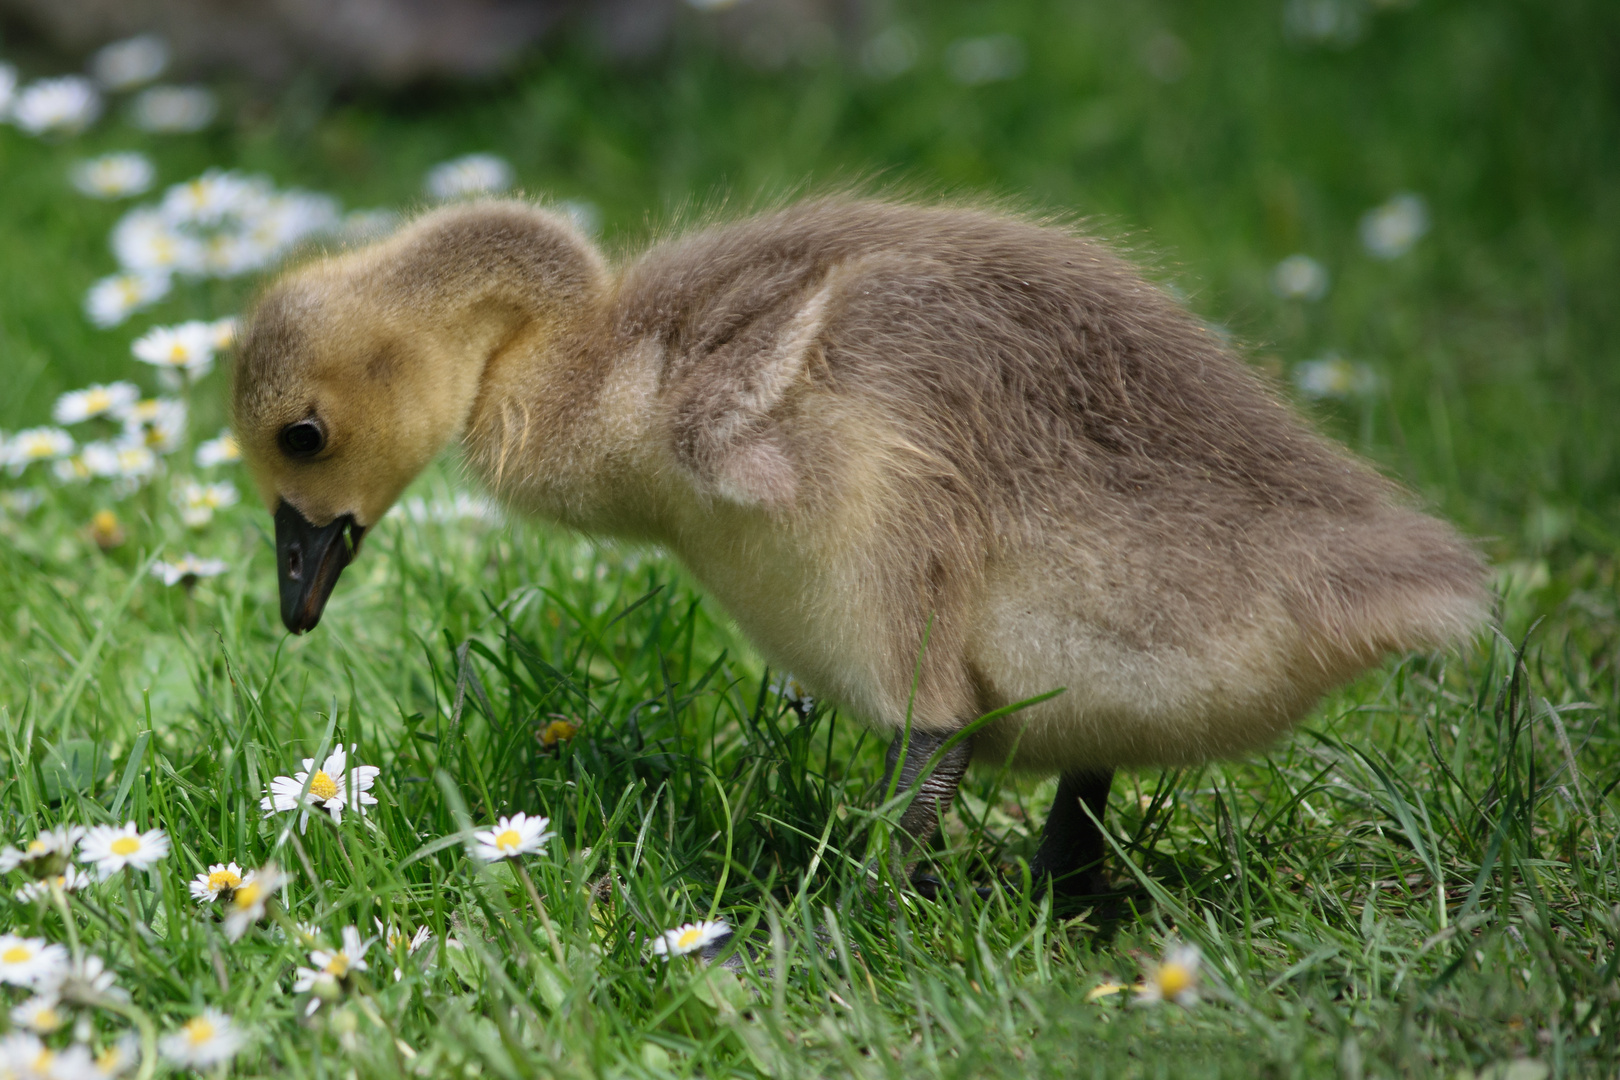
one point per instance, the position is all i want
(517, 302)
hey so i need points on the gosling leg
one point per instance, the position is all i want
(933, 798)
(1072, 847)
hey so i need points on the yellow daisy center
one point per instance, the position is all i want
(36, 847)
(248, 894)
(223, 879)
(47, 1019)
(125, 845)
(107, 1059)
(104, 521)
(508, 840)
(127, 292)
(17, 954)
(338, 966)
(1173, 979)
(42, 1064)
(198, 1031)
(688, 939)
(97, 400)
(322, 787)
(557, 731)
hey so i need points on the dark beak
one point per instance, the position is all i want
(309, 559)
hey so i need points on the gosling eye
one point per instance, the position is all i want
(304, 439)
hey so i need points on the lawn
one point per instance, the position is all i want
(1422, 880)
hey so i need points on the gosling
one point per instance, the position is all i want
(933, 460)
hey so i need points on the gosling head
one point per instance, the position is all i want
(338, 405)
(356, 370)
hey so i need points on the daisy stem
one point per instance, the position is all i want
(59, 898)
(142, 1022)
(522, 873)
(343, 851)
(134, 915)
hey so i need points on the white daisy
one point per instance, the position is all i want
(210, 198)
(187, 346)
(392, 937)
(146, 241)
(30, 961)
(980, 60)
(118, 1058)
(460, 507)
(126, 64)
(64, 105)
(689, 938)
(333, 968)
(8, 88)
(197, 502)
(113, 299)
(159, 424)
(113, 176)
(473, 174)
(173, 109)
(35, 444)
(890, 54)
(1390, 230)
(1175, 978)
(794, 694)
(23, 1056)
(1299, 277)
(87, 982)
(247, 903)
(290, 216)
(44, 855)
(189, 570)
(71, 470)
(218, 451)
(221, 880)
(41, 1014)
(512, 836)
(76, 406)
(120, 459)
(1334, 377)
(203, 1041)
(585, 215)
(71, 879)
(20, 502)
(364, 226)
(332, 787)
(225, 331)
(110, 848)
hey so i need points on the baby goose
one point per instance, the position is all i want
(865, 425)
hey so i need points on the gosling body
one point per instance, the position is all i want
(866, 425)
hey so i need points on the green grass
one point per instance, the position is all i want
(1421, 881)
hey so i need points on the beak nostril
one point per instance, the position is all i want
(295, 564)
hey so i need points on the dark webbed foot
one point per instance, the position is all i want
(1072, 846)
